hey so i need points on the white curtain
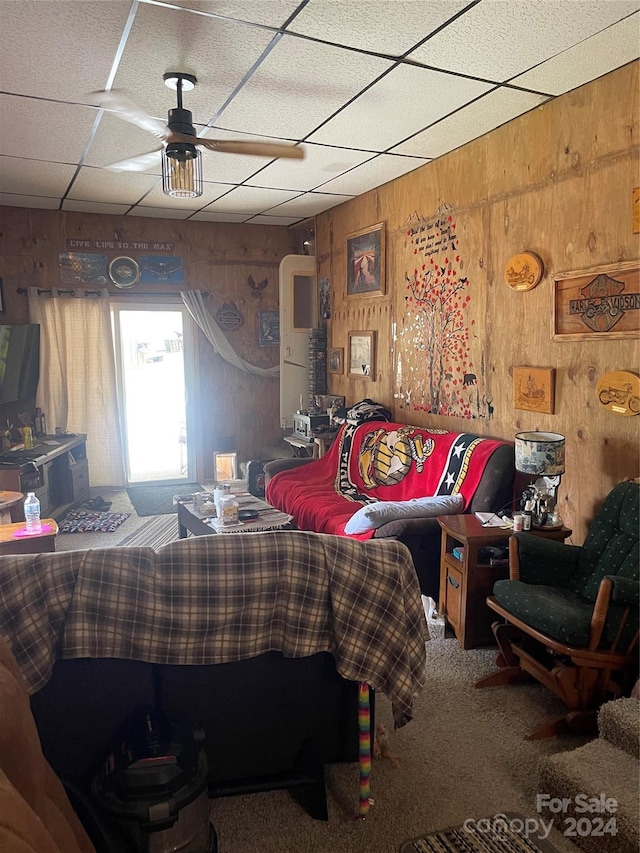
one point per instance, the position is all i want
(77, 388)
(194, 302)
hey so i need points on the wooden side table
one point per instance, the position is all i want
(15, 540)
(466, 583)
(10, 506)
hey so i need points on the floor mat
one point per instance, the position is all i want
(158, 500)
(504, 833)
(86, 521)
(153, 533)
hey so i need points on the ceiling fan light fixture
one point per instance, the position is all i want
(182, 171)
(173, 78)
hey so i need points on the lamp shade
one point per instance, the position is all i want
(540, 453)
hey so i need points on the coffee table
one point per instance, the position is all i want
(190, 520)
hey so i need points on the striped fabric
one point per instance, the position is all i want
(217, 599)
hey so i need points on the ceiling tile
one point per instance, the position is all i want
(218, 216)
(321, 163)
(376, 172)
(470, 122)
(34, 177)
(414, 96)
(309, 204)
(114, 187)
(29, 201)
(298, 85)
(496, 41)
(60, 49)
(249, 200)
(600, 54)
(264, 219)
(391, 28)
(94, 207)
(42, 130)
(159, 212)
(211, 192)
(270, 14)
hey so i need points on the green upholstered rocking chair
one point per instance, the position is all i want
(571, 613)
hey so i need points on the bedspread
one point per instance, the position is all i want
(218, 599)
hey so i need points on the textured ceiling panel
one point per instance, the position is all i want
(211, 192)
(376, 172)
(42, 130)
(160, 212)
(298, 85)
(600, 54)
(271, 14)
(499, 40)
(382, 27)
(321, 163)
(219, 53)
(34, 177)
(219, 216)
(250, 200)
(114, 187)
(61, 49)
(309, 204)
(264, 219)
(29, 201)
(478, 118)
(416, 97)
(94, 207)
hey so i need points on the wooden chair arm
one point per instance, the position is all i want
(514, 559)
(599, 615)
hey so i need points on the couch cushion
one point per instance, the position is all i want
(372, 516)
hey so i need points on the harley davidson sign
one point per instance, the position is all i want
(598, 302)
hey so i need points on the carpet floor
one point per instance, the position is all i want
(158, 500)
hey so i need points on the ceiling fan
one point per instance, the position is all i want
(181, 159)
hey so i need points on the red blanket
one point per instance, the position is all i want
(379, 461)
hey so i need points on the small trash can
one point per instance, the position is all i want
(153, 786)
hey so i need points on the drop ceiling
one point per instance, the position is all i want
(370, 89)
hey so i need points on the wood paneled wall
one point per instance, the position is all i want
(557, 181)
(218, 258)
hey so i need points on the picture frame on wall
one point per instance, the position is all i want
(362, 355)
(2, 309)
(597, 303)
(336, 360)
(365, 252)
(534, 389)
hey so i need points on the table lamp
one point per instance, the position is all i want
(541, 454)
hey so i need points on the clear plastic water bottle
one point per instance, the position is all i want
(32, 513)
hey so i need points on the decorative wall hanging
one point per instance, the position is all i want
(83, 268)
(619, 392)
(440, 347)
(325, 299)
(523, 271)
(362, 355)
(336, 360)
(601, 302)
(534, 389)
(269, 328)
(1, 298)
(229, 317)
(164, 268)
(366, 261)
(635, 210)
(257, 286)
(124, 272)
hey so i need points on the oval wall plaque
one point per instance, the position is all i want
(619, 391)
(523, 271)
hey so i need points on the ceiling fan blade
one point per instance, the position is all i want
(139, 163)
(240, 146)
(123, 107)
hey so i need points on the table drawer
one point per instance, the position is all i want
(80, 480)
(453, 593)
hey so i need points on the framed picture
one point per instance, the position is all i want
(1, 298)
(366, 261)
(268, 328)
(336, 360)
(362, 355)
(534, 389)
(600, 302)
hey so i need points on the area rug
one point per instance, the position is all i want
(158, 500)
(88, 521)
(158, 531)
(501, 833)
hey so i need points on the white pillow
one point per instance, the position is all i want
(372, 516)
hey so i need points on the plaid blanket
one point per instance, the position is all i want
(217, 599)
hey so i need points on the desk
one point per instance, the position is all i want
(14, 540)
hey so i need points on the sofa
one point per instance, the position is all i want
(400, 469)
(259, 640)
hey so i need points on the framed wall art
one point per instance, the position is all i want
(336, 360)
(268, 328)
(1, 298)
(534, 389)
(362, 355)
(366, 261)
(601, 302)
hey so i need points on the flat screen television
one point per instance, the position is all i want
(19, 362)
